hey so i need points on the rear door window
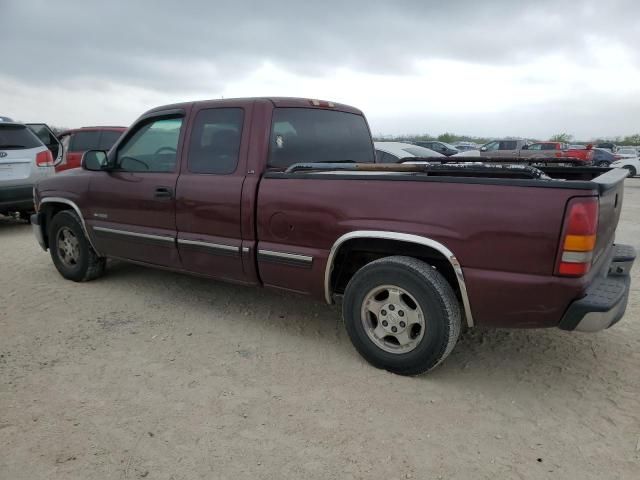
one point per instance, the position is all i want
(16, 137)
(315, 135)
(107, 139)
(82, 141)
(215, 141)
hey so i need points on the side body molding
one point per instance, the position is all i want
(403, 237)
(77, 210)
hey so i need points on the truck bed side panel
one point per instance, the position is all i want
(505, 237)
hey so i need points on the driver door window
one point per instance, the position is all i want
(492, 146)
(152, 148)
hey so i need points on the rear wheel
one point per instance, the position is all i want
(70, 250)
(401, 315)
(632, 170)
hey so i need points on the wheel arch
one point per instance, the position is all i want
(50, 206)
(396, 243)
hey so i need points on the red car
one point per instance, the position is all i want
(78, 140)
(285, 193)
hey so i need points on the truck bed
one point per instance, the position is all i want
(503, 229)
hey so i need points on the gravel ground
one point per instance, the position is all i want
(149, 374)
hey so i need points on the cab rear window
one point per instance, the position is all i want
(314, 135)
(16, 137)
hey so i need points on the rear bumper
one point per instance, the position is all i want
(606, 298)
(16, 198)
(36, 226)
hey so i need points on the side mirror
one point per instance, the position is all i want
(525, 147)
(483, 149)
(94, 160)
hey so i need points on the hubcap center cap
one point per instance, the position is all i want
(392, 320)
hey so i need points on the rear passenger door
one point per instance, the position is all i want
(208, 193)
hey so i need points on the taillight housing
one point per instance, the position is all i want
(578, 240)
(44, 159)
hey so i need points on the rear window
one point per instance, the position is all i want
(107, 139)
(313, 135)
(16, 137)
(82, 141)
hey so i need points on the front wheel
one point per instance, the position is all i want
(632, 170)
(602, 164)
(401, 315)
(70, 249)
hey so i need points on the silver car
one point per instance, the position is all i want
(24, 159)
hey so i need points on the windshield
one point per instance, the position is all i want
(314, 135)
(14, 137)
(421, 152)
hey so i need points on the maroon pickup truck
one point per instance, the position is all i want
(285, 193)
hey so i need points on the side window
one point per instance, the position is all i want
(107, 139)
(379, 155)
(535, 146)
(151, 148)
(548, 146)
(215, 141)
(508, 145)
(490, 147)
(82, 141)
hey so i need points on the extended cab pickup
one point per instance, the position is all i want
(522, 149)
(284, 193)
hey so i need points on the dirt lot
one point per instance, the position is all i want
(148, 374)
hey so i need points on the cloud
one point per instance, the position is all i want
(402, 59)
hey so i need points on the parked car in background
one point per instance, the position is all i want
(631, 164)
(465, 147)
(24, 159)
(439, 147)
(256, 191)
(5, 119)
(78, 140)
(392, 152)
(607, 146)
(503, 148)
(602, 157)
(557, 150)
(623, 153)
(525, 150)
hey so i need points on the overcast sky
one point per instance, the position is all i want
(486, 68)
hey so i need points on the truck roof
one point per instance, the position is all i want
(295, 102)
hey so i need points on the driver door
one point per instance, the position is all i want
(132, 207)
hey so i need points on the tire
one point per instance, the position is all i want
(632, 170)
(602, 164)
(70, 250)
(377, 286)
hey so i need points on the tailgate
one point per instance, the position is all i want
(610, 191)
(16, 164)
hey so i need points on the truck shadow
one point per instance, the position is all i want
(483, 360)
(11, 225)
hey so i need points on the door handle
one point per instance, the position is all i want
(163, 192)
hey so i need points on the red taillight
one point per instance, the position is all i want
(578, 237)
(44, 159)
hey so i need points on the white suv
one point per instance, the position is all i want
(24, 159)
